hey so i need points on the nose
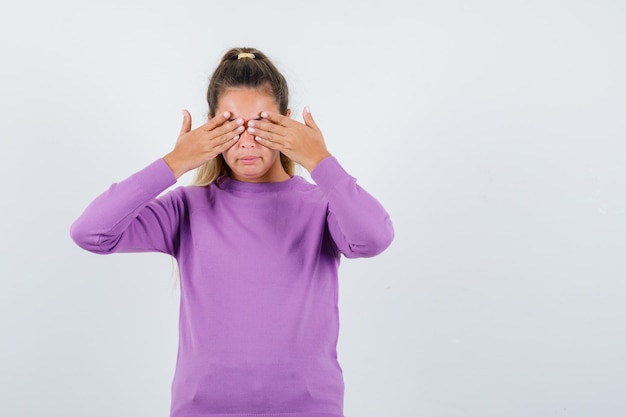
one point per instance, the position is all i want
(246, 139)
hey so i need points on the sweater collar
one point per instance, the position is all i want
(227, 183)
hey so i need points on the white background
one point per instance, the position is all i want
(492, 131)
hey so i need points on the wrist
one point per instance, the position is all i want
(312, 163)
(173, 163)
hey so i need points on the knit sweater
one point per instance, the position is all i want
(258, 266)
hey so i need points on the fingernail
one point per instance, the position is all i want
(236, 137)
(251, 123)
(239, 121)
(264, 115)
(241, 129)
(258, 139)
(308, 109)
(226, 114)
(184, 114)
(251, 129)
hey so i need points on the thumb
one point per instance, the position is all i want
(186, 127)
(308, 118)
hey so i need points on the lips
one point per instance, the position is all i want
(248, 159)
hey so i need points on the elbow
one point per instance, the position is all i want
(382, 242)
(385, 240)
(86, 239)
(379, 240)
(82, 237)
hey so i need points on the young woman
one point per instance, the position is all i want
(258, 248)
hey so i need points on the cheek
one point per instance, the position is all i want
(268, 153)
(228, 155)
(270, 156)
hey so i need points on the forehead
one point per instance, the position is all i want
(245, 102)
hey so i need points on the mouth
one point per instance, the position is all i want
(249, 159)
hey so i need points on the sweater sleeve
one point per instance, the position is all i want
(357, 222)
(128, 217)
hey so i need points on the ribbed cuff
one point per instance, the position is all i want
(329, 172)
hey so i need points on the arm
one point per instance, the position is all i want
(358, 223)
(128, 217)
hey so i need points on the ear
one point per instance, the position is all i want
(288, 114)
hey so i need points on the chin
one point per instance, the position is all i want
(249, 175)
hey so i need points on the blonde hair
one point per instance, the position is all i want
(243, 67)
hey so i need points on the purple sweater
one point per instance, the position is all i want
(258, 274)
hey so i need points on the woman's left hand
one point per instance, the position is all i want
(302, 143)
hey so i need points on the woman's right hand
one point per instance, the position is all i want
(198, 146)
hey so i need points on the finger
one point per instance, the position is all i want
(230, 141)
(277, 118)
(233, 135)
(265, 129)
(266, 135)
(232, 129)
(272, 129)
(216, 121)
(308, 118)
(225, 131)
(186, 127)
(268, 143)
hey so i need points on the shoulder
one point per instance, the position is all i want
(301, 184)
(306, 190)
(186, 194)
